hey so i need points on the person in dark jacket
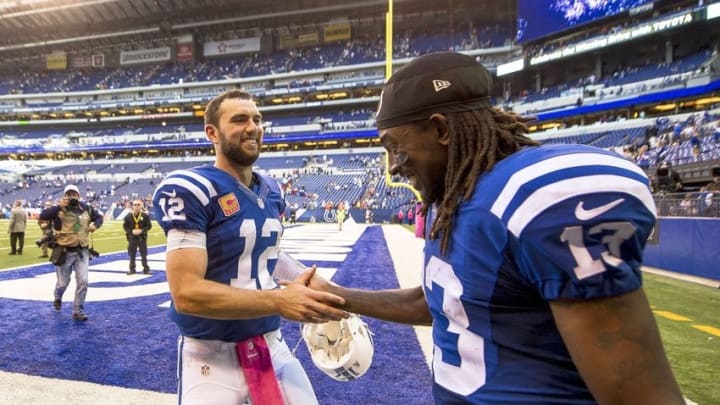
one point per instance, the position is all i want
(136, 225)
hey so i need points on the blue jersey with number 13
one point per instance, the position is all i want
(546, 223)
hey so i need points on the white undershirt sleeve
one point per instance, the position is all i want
(182, 239)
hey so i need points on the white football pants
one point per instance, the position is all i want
(209, 373)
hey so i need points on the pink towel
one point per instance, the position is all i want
(254, 357)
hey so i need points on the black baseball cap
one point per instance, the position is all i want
(441, 82)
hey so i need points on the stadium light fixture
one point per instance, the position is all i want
(707, 100)
(665, 107)
(550, 125)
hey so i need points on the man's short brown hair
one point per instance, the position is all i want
(212, 115)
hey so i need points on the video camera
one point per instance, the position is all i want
(48, 238)
(93, 252)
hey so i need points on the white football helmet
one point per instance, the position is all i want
(341, 349)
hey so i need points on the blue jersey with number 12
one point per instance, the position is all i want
(243, 232)
(546, 223)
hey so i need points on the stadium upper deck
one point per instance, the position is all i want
(323, 68)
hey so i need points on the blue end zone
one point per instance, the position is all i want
(130, 342)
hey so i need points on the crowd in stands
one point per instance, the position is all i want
(362, 49)
(358, 180)
(355, 180)
(696, 139)
(309, 182)
(622, 81)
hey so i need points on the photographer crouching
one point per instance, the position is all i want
(72, 222)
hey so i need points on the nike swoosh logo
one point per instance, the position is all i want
(171, 195)
(583, 214)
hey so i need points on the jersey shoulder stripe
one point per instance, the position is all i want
(537, 178)
(192, 181)
(195, 175)
(547, 196)
(543, 167)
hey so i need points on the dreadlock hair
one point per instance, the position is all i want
(478, 140)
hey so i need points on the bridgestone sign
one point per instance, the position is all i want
(146, 56)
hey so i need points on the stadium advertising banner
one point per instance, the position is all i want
(510, 67)
(299, 40)
(98, 60)
(56, 60)
(233, 46)
(713, 11)
(87, 61)
(336, 32)
(537, 19)
(184, 52)
(163, 54)
(641, 30)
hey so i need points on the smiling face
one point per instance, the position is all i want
(418, 152)
(238, 134)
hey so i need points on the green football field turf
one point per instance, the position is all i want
(688, 314)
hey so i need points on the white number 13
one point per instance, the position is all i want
(469, 375)
(586, 265)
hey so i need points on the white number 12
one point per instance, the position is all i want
(256, 275)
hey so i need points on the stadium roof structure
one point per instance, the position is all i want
(35, 21)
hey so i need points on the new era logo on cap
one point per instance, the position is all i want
(441, 84)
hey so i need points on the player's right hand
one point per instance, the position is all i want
(298, 302)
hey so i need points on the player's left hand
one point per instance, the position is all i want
(91, 227)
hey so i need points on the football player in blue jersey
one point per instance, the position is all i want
(532, 279)
(223, 233)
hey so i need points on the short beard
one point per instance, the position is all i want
(235, 152)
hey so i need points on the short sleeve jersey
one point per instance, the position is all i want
(546, 223)
(243, 228)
